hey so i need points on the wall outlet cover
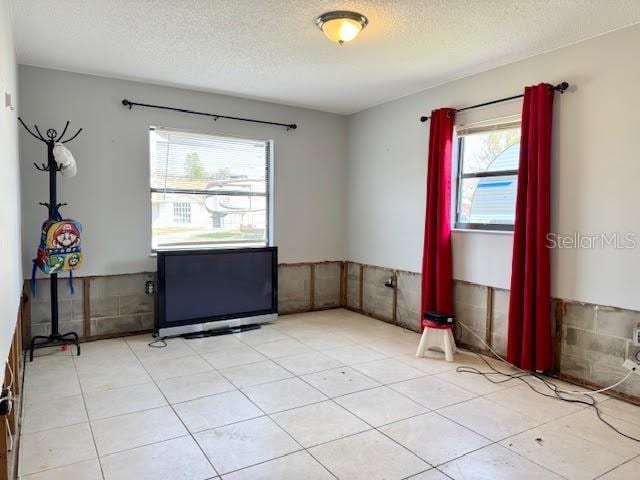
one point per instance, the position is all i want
(8, 101)
(636, 336)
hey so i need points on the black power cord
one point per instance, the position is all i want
(557, 394)
(159, 342)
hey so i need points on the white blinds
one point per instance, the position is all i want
(505, 123)
(189, 161)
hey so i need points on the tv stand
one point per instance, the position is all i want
(214, 332)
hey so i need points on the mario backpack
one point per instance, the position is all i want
(59, 249)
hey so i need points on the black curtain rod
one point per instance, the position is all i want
(215, 116)
(561, 87)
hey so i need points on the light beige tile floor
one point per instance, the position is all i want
(321, 395)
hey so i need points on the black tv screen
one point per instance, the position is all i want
(213, 285)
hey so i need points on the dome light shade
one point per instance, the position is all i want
(341, 26)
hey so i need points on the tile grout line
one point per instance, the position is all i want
(328, 399)
(476, 395)
(331, 399)
(633, 460)
(426, 471)
(264, 414)
(86, 410)
(305, 449)
(300, 407)
(174, 412)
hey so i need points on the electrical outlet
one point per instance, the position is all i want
(631, 365)
(636, 336)
(150, 287)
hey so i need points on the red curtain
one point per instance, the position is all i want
(437, 263)
(529, 330)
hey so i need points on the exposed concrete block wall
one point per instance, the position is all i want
(377, 299)
(409, 294)
(294, 288)
(595, 341)
(119, 304)
(70, 307)
(116, 304)
(470, 309)
(591, 341)
(308, 286)
(499, 319)
(353, 285)
(326, 285)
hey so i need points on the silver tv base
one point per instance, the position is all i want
(202, 327)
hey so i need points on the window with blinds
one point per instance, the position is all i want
(487, 157)
(208, 191)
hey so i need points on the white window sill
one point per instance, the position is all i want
(475, 230)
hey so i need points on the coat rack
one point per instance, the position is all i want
(55, 338)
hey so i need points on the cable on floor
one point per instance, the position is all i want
(159, 342)
(557, 392)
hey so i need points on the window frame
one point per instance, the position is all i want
(268, 195)
(460, 175)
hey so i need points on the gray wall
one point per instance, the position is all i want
(595, 171)
(11, 278)
(110, 194)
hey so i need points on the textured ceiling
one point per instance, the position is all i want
(272, 50)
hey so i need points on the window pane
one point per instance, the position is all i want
(208, 190)
(491, 151)
(188, 161)
(490, 200)
(193, 220)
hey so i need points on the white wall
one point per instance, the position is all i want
(596, 170)
(11, 278)
(110, 194)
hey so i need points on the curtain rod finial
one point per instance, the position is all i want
(424, 119)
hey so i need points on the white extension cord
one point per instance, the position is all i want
(567, 392)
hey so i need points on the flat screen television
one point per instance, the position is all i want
(206, 289)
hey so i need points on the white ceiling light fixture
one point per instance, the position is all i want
(341, 26)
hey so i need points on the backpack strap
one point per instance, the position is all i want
(33, 278)
(71, 289)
